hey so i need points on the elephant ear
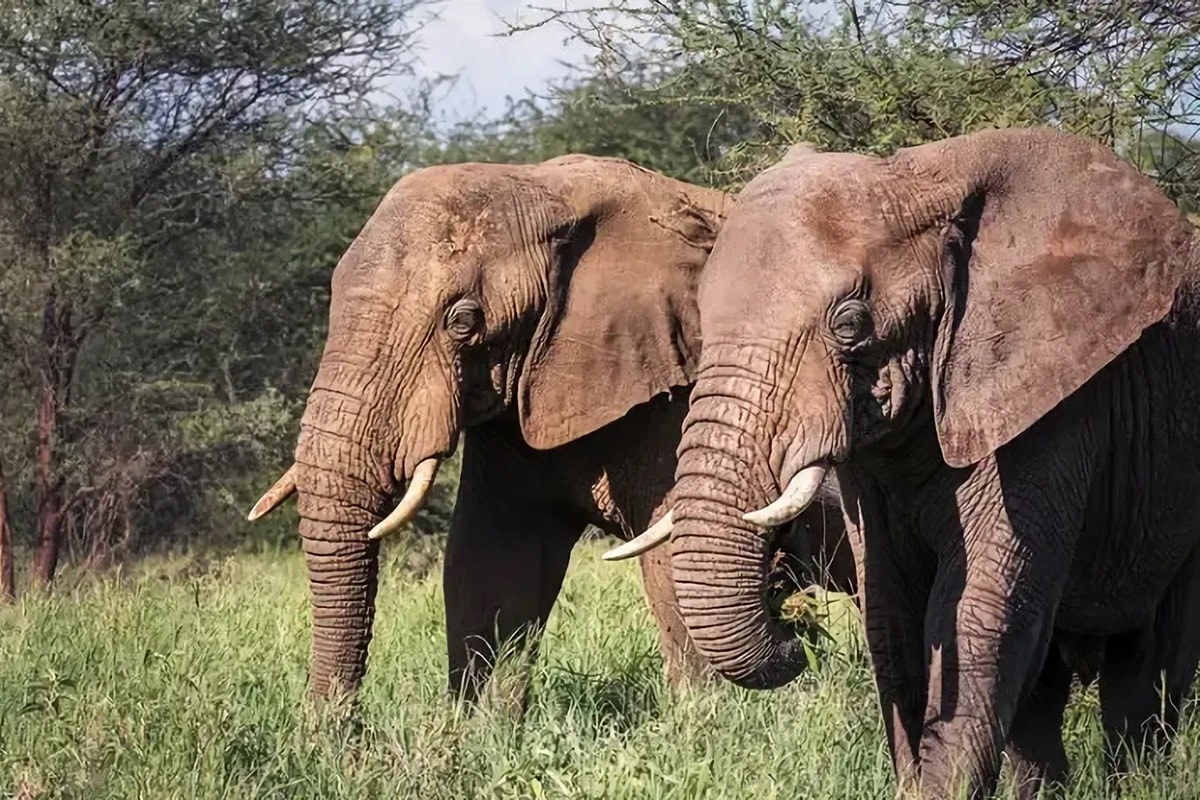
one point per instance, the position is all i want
(621, 323)
(1058, 258)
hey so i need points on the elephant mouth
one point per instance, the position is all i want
(793, 586)
(793, 597)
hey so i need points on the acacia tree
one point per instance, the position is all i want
(128, 131)
(873, 75)
(640, 113)
(1135, 66)
(782, 72)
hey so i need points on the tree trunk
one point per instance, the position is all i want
(8, 584)
(49, 493)
(60, 350)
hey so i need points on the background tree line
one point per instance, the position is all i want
(178, 180)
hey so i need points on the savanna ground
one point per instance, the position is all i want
(183, 681)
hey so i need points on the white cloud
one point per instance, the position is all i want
(490, 67)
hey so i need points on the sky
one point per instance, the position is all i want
(492, 67)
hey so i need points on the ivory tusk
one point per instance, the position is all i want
(410, 504)
(284, 488)
(655, 535)
(799, 494)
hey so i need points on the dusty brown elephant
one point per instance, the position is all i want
(992, 341)
(546, 312)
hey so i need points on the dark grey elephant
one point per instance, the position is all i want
(546, 312)
(992, 341)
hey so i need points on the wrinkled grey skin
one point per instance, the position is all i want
(992, 340)
(547, 314)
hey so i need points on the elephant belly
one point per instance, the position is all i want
(1087, 611)
(1142, 510)
(1120, 572)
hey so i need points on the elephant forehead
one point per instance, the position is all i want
(792, 235)
(461, 215)
(770, 293)
(454, 228)
(822, 201)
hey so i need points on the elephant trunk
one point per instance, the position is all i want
(343, 492)
(721, 563)
(342, 575)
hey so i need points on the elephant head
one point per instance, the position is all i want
(934, 303)
(562, 293)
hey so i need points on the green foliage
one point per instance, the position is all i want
(653, 116)
(183, 681)
(1173, 161)
(871, 77)
(625, 116)
(1132, 70)
(169, 215)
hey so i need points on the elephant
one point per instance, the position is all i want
(991, 341)
(547, 314)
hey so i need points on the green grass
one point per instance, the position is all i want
(182, 683)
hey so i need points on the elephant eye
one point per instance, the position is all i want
(464, 319)
(852, 322)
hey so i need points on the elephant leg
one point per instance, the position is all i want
(990, 618)
(985, 644)
(893, 593)
(1147, 674)
(1035, 743)
(682, 662)
(506, 557)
